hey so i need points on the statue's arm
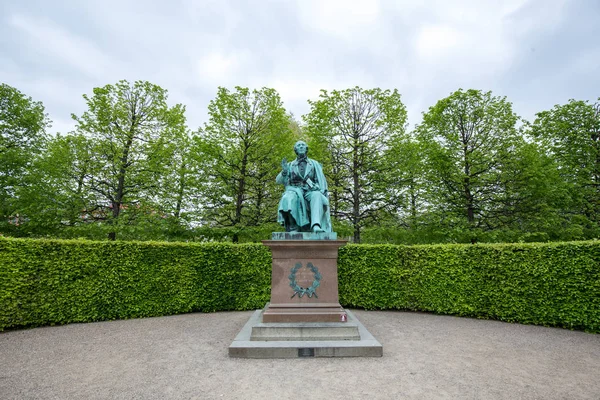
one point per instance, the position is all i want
(321, 178)
(284, 175)
(282, 180)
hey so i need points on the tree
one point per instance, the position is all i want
(23, 125)
(532, 194)
(406, 160)
(356, 128)
(55, 196)
(240, 149)
(133, 132)
(570, 133)
(181, 186)
(469, 138)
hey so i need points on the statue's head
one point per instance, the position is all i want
(300, 148)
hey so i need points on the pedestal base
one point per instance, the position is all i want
(258, 339)
(321, 313)
(304, 281)
(302, 331)
(304, 317)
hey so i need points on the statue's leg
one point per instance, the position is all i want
(287, 207)
(289, 222)
(316, 211)
(292, 226)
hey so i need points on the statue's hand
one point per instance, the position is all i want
(284, 166)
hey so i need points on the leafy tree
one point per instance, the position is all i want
(240, 150)
(295, 126)
(133, 133)
(23, 125)
(181, 186)
(532, 194)
(356, 128)
(410, 190)
(56, 196)
(571, 135)
(469, 137)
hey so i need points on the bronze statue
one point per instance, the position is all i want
(304, 206)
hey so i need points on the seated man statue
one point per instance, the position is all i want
(304, 206)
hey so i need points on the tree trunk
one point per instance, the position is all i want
(118, 201)
(180, 191)
(78, 212)
(116, 209)
(467, 187)
(239, 202)
(413, 206)
(356, 200)
(356, 233)
(469, 202)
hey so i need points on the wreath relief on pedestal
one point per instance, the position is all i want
(301, 291)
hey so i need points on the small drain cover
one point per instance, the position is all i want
(307, 352)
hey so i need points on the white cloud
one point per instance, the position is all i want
(434, 41)
(586, 63)
(471, 46)
(297, 90)
(62, 126)
(56, 42)
(228, 16)
(519, 22)
(59, 96)
(295, 93)
(424, 49)
(344, 19)
(218, 69)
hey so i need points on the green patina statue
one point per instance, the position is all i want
(304, 206)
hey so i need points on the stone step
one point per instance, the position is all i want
(244, 346)
(305, 331)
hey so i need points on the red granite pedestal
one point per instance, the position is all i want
(304, 281)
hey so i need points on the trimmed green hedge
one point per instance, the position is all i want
(60, 281)
(552, 284)
(44, 282)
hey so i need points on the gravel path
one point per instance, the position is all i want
(185, 357)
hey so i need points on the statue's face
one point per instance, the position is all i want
(301, 148)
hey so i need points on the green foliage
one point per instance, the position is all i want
(56, 282)
(469, 137)
(55, 198)
(237, 234)
(409, 198)
(571, 135)
(353, 130)
(23, 123)
(554, 284)
(470, 172)
(133, 136)
(46, 282)
(240, 149)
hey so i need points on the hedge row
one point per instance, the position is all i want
(60, 281)
(552, 284)
(44, 282)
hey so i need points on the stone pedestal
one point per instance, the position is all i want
(304, 339)
(304, 317)
(304, 282)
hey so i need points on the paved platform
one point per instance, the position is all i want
(304, 339)
(186, 357)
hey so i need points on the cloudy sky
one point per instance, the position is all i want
(537, 53)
